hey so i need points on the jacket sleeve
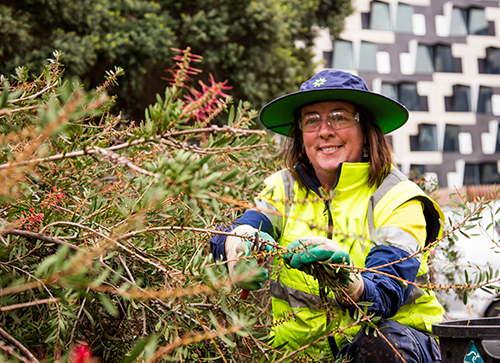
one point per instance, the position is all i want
(250, 217)
(400, 236)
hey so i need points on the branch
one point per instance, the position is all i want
(73, 154)
(142, 140)
(205, 151)
(214, 129)
(7, 111)
(10, 350)
(123, 161)
(31, 303)
(39, 236)
(20, 288)
(109, 239)
(33, 95)
(192, 338)
(21, 347)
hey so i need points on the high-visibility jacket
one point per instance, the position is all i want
(355, 209)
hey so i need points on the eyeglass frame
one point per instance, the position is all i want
(355, 119)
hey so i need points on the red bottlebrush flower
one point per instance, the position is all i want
(202, 104)
(81, 354)
(180, 75)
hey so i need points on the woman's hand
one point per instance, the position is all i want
(237, 247)
(314, 249)
(305, 251)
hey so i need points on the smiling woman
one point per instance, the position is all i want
(326, 144)
(341, 201)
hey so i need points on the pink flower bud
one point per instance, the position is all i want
(81, 354)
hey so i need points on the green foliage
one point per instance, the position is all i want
(250, 43)
(104, 225)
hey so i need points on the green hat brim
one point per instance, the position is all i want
(279, 114)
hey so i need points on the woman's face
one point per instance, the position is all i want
(326, 148)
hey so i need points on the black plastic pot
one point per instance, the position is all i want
(458, 337)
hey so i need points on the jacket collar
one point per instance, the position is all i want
(349, 176)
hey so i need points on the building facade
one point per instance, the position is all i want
(442, 61)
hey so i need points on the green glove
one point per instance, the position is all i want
(237, 247)
(306, 251)
(315, 249)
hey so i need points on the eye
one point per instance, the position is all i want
(337, 116)
(311, 120)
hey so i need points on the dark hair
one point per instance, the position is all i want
(380, 152)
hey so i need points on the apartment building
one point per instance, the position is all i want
(442, 61)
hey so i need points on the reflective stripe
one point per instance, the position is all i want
(396, 237)
(296, 298)
(270, 211)
(393, 178)
(274, 215)
(288, 182)
(417, 292)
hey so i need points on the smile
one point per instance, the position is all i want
(332, 148)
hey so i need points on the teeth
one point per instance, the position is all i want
(330, 148)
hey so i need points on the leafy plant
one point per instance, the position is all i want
(105, 222)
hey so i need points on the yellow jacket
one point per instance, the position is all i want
(358, 218)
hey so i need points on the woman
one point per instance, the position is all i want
(340, 183)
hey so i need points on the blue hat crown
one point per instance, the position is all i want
(334, 79)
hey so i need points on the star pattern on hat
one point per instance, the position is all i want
(319, 82)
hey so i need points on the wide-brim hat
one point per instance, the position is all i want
(332, 85)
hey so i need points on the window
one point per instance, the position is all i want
(497, 149)
(404, 19)
(458, 25)
(443, 60)
(477, 23)
(436, 58)
(342, 55)
(367, 57)
(451, 138)
(468, 21)
(485, 173)
(461, 98)
(471, 174)
(489, 173)
(379, 16)
(460, 101)
(407, 94)
(390, 90)
(493, 60)
(423, 64)
(426, 140)
(484, 100)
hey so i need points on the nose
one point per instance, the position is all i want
(326, 129)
